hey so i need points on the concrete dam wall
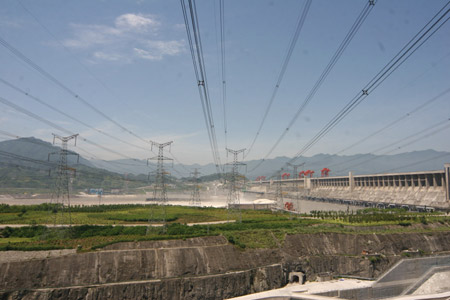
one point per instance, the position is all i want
(204, 268)
(417, 189)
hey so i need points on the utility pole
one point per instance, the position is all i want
(160, 190)
(295, 167)
(195, 199)
(61, 192)
(233, 201)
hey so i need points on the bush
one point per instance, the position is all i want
(404, 224)
(374, 259)
(423, 220)
(28, 231)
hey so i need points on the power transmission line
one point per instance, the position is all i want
(338, 53)
(45, 28)
(200, 74)
(50, 164)
(417, 137)
(408, 114)
(178, 162)
(51, 124)
(42, 102)
(410, 48)
(417, 163)
(287, 58)
(222, 54)
(92, 156)
(64, 87)
(391, 124)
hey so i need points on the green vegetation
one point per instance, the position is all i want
(97, 226)
(375, 216)
(24, 179)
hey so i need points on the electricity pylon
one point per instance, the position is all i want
(160, 190)
(295, 167)
(195, 198)
(61, 193)
(279, 190)
(233, 201)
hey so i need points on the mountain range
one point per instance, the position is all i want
(338, 164)
(425, 160)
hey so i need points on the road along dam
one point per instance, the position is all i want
(205, 268)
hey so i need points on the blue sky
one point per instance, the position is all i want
(131, 60)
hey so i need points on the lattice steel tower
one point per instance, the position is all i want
(233, 200)
(279, 191)
(295, 167)
(195, 198)
(160, 189)
(61, 192)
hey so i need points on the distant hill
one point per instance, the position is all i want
(23, 164)
(340, 165)
(35, 149)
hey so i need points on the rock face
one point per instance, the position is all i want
(204, 268)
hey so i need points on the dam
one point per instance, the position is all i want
(412, 190)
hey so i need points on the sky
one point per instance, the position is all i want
(131, 61)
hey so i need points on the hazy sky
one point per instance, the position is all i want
(131, 60)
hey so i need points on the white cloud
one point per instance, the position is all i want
(87, 36)
(136, 22)
(156, 50)
(107, 56)
(130, 35)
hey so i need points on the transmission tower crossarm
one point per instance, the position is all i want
(295, 167)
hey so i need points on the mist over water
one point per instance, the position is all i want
(208, 199)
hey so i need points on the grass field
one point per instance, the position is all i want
(96, 226)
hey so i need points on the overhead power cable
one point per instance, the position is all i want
(417, 136)
(27, 159)
(195, 46)
(57, 127)
(64, 87)
(45, 28)
(287, 58)
(334, 59)
(417, 163)
(178, 162)
(420, 107)
(390, 125)
(410, 48)
(222, 55)
(90, 154)
(50, 164)
(42, 102)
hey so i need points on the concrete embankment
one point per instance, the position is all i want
(205, 268)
